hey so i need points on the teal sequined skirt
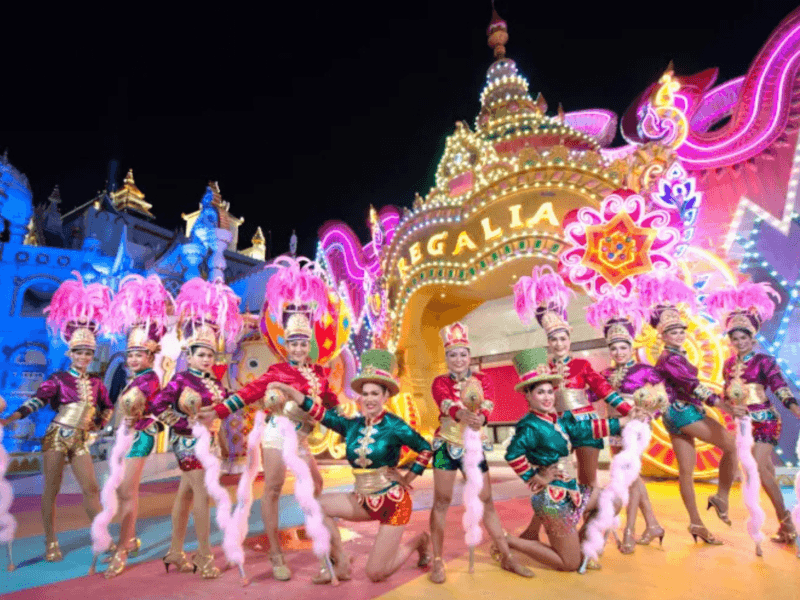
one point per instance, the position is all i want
(143, 444)
(681, 414)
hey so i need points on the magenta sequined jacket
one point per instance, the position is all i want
(172, 404)
(68, 387)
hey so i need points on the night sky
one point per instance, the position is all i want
(309, 111)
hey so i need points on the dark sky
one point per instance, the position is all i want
(309, 111)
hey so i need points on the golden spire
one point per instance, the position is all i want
(498, 35)
(259, 248)
(130, 197)
(258, 238)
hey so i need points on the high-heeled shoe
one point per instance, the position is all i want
(628, 543)
(510, 564)
(651, 533)
(53, 552)
(117, 564)
(205, 562)
(698, 531)
(717, 504)
(280, 571)
(340, 567)
(437, 574)
(181, 562)
(424, 549)
(786, 534)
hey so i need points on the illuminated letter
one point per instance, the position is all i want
(545, 213)
(436, 244)
(516, 222)
(464, 242)
(488, 232)
(403, 268)
(416, 253)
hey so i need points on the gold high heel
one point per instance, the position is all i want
(437, 575)
(715, 503)
(279, 569)
(628, 543)
(786, 534)
(181, 562)
(340, 568)
(698, 531)
(117, 564)
(205, 562)
(425, 556)
(651, 533)
(53, 552)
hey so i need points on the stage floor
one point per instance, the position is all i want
(681, 570)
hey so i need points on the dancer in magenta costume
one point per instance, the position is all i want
(80, 399)
(207, 312)
(748, 375)
(139, 310)
(685, 418)
(620, 320)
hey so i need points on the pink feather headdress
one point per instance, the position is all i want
(745, 306)
(544, 291)
(214, 304)
(659, 292)
(297, 283)
(620, 319)
(78, 307)
(140, 301)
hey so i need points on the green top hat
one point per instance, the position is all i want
(377, 366)
(531, 366)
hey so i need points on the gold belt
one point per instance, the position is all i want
(371, 481)
(756, 394)
(453, 431)
(570, 399)
(78, 415)
(746, 394)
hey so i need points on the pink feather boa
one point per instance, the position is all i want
(544, 288)
(746, 296)
(123, 440)
(752, 484)
(210, 302)
(625, 468)
(304, 488)
(235, 535)
(73, 302)
(212, 467)
(8, 524)
(140, 300)
(296, 281)
(473, 507)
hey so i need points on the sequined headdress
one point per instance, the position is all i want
(77, 312)
(545, 297)
(140, 308)
(620, 319)
(208, 314)
(296, 296)
(661, 293)
(744, 307)
(455, 336)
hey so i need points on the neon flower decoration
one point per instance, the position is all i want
(609, 247)
(678, 192)
(663, 119)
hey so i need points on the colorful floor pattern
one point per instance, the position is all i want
(681, 570)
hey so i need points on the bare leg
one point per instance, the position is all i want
(274, 477)
(181, 508)
(316, 476)
(53, 469)
(685, 453)
(201, 510)
(563, 555)
(713, 432)
(388, 555)
(766, 471)
(443, 482)
(646, 506)
(128, 494)
(83, 469)
(342, 506)
(634, 501)
(588, 459)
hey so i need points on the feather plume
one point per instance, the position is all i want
(209, 302)
(74, 303)
(296, 281)
(659, 288)
(543, 289)
(746, 297)
(140, 300)
(613, 306)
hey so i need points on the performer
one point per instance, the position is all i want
(539, 452)
(620, 321)
(748, 374)
(686, 419)
(373, 441)
(206, 314)
(457, 411)
(80, 399)
(297, 296)
(140, 307)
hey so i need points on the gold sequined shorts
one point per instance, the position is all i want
(71, 442)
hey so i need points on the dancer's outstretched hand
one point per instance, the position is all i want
(287, 390)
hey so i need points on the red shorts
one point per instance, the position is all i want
(392, 507)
